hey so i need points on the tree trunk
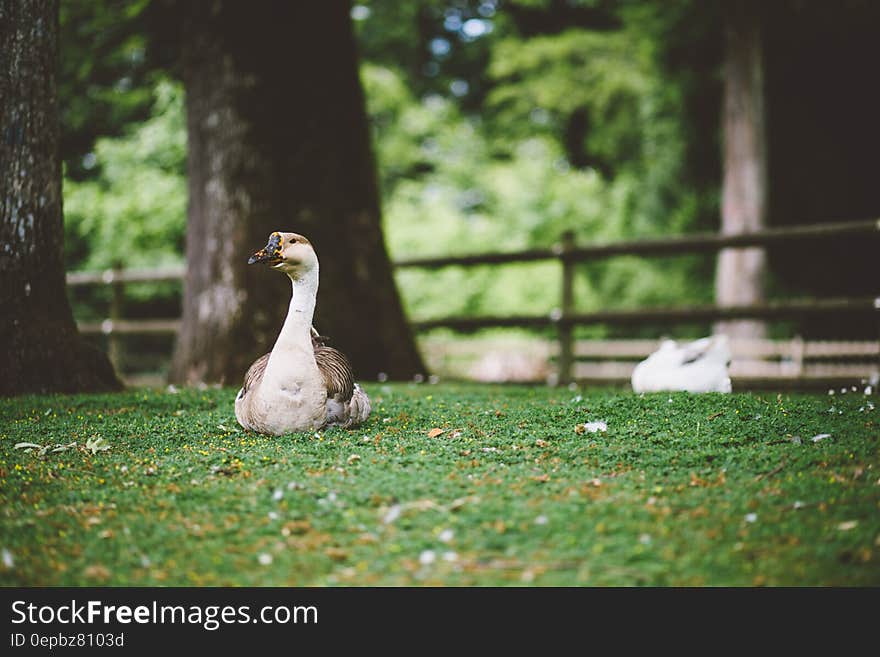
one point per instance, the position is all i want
(739, 279)
(41, 348)
(278, 140)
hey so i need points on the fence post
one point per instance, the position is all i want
(566, 306)
(117, 292)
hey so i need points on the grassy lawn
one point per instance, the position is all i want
(680, 490)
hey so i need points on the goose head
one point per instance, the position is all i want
(290, 253)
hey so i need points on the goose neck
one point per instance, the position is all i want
(298, 324)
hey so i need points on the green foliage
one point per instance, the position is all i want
(577, 130)
(103, 84)
(681, 490)
(543, 80)
(439, 166)
(134, 209)
(440, 47)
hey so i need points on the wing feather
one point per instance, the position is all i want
(336, 371)
(334, 366)
(254, 374)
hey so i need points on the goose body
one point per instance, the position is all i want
(699, 366)
(302, 384)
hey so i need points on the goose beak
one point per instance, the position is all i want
(269, 253)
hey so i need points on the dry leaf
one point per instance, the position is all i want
(436, 431)
(28, 446)
(97, 445)
(336, 553)
(459, 502)
(98, 572)
(591, 427)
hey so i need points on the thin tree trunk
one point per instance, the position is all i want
(41, 348)
(740, 274)
(278, 140)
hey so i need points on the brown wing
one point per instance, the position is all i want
(336, 370)
(254, 373)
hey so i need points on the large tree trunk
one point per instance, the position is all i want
(739, 279)
(40, 348)
(278, 140)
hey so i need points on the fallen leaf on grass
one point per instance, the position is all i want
(459, 502)
(436, 431)
(96, 445)
(392, 514)
(336, 553)
(849, 524)
(43, 449)
(591, 427)
(28, 446)
(98, 572)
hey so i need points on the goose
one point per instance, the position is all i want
(302, 384)
(699, 366)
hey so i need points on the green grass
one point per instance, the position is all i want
(681, 490)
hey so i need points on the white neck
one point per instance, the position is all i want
(298, 325)
(295, 339)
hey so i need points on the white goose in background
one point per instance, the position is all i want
(302, 384)
(699, 366)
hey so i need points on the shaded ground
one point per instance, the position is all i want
(165, 489)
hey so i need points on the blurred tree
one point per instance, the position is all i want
(739, 280)
(105, 74)
(823, 139)
(278, 140)
(134, 200)
(42, 351)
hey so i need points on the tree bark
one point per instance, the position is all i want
(41, 348)
(278, 140)
(740, 274)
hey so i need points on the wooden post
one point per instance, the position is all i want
(739, 278)
(117, 292)
(566, 305)
(797, 345)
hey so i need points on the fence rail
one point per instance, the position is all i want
(813, 364)
(775, 310)
(565, 317)
(698, 243)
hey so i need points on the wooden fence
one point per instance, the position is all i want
(565, 317)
